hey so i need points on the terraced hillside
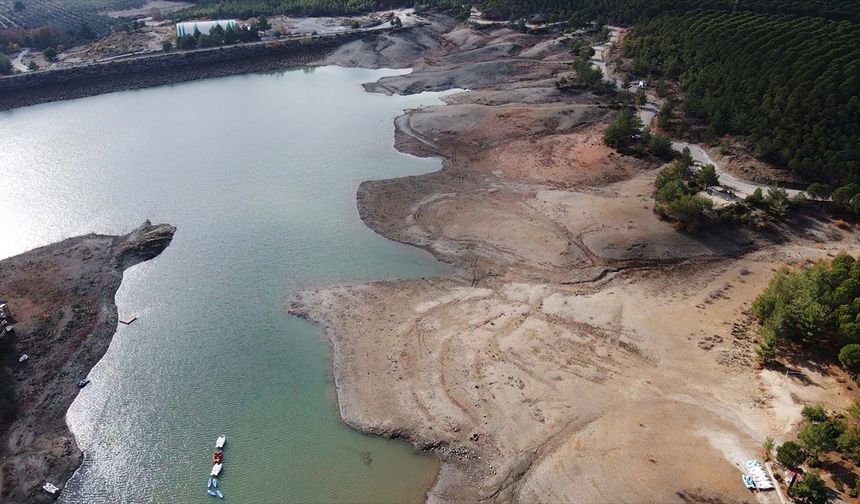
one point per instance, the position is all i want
(64, 14)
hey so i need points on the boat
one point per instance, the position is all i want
(219, 494)
(216, 470)
(217, 457)
(219, 443)
(83, 382)
(210, 483)
(748, 481)
(50, 488)
(214, 482)
(212, 493)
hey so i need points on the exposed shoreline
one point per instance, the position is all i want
(62, 299)
(167, 68)
(574, 318)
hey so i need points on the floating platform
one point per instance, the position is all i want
(127, 320)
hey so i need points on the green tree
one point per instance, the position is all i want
(756, 198)
(790, 454)
(818, 438)
(689, 209)
(50, 54)
(665, 114)
(686, 158)
(166, 46)
(814, 413)
(842, 195)
(849, 443)
(18, 6)
(5, 65)
(854, 204)
(777, 201)
(262, 23)
(849, 357)
(707, 176)
(819, 190)
(641, 97)
(624, 128)
(660, 146)
(86, 32)
(811, 489)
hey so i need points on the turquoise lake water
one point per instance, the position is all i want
(258, 172)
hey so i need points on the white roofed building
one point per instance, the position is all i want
(189, 27)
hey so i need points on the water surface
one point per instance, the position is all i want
(259, 173)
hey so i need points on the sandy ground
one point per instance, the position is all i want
(583, 350)
(62, 300)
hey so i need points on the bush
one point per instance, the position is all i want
(166, 46)
(790, 454)
(756, 198)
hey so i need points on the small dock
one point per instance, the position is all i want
(127, 320)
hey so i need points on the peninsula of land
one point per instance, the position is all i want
(61, 301)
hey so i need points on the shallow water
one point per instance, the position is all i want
(259, 173)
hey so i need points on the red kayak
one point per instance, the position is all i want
(218, 456)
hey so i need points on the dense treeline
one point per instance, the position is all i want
(633, 11)
(791, 84)
(251, 8)
(818, 307)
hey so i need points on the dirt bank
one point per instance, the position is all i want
(62, 300)
(166, 68)
(584, 350)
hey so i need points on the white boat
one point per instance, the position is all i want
(219, 443)
(216, 470)
(50, 488)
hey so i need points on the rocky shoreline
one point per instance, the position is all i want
(62, 299)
